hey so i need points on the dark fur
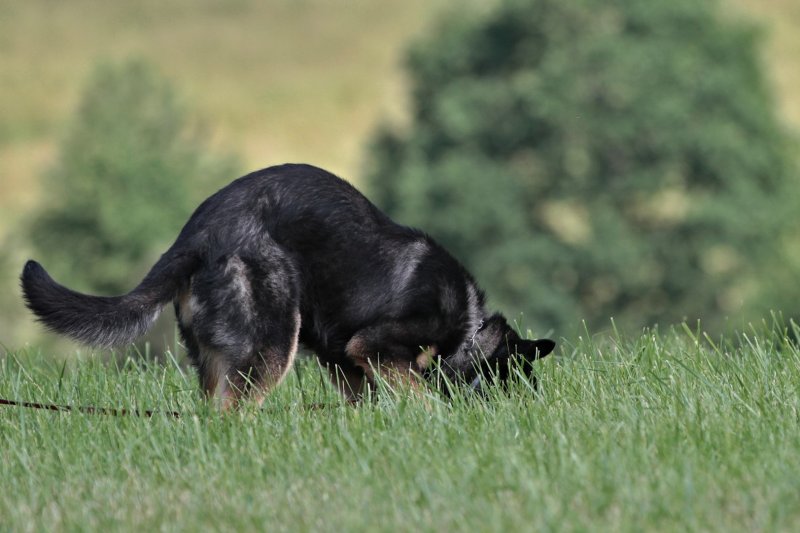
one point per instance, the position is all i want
(292, 253)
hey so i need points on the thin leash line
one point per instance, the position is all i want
(113, 411)
(89, 409)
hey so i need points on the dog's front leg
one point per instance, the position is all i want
(350, 380)
(393, 351)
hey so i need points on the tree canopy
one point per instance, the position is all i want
(122, 185)
(591, 159)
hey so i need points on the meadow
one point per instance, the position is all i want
(665, 431)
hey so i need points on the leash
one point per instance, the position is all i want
(88, 409)
(113, 411)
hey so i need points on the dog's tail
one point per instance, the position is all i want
(106, 321)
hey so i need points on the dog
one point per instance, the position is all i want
(292, 255)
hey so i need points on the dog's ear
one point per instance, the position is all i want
(535, 349)
(499, 366)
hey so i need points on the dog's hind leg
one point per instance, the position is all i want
(246, 321)
(254, 374)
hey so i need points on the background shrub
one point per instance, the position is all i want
(594, 159)
(130, 170)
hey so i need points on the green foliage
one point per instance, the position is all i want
(589, 158)
(122, 187)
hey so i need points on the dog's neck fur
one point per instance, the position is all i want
(489, 333)
(488, 337)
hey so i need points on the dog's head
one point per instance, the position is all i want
(494, 353)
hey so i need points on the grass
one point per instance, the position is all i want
(662, 432)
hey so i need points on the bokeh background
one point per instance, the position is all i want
(586, 159)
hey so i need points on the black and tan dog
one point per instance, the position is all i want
(292, 254)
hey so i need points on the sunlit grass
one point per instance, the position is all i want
(665, 431)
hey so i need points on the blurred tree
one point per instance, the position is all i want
(122, 187)
(593, 159)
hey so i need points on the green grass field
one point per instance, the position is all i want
(664, 432)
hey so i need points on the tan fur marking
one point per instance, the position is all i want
(238, 270)
(400, 376)
(356, 350)
(425, 358)
(277, 366)
(215, 382)
(293, 348)
(184, 308)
